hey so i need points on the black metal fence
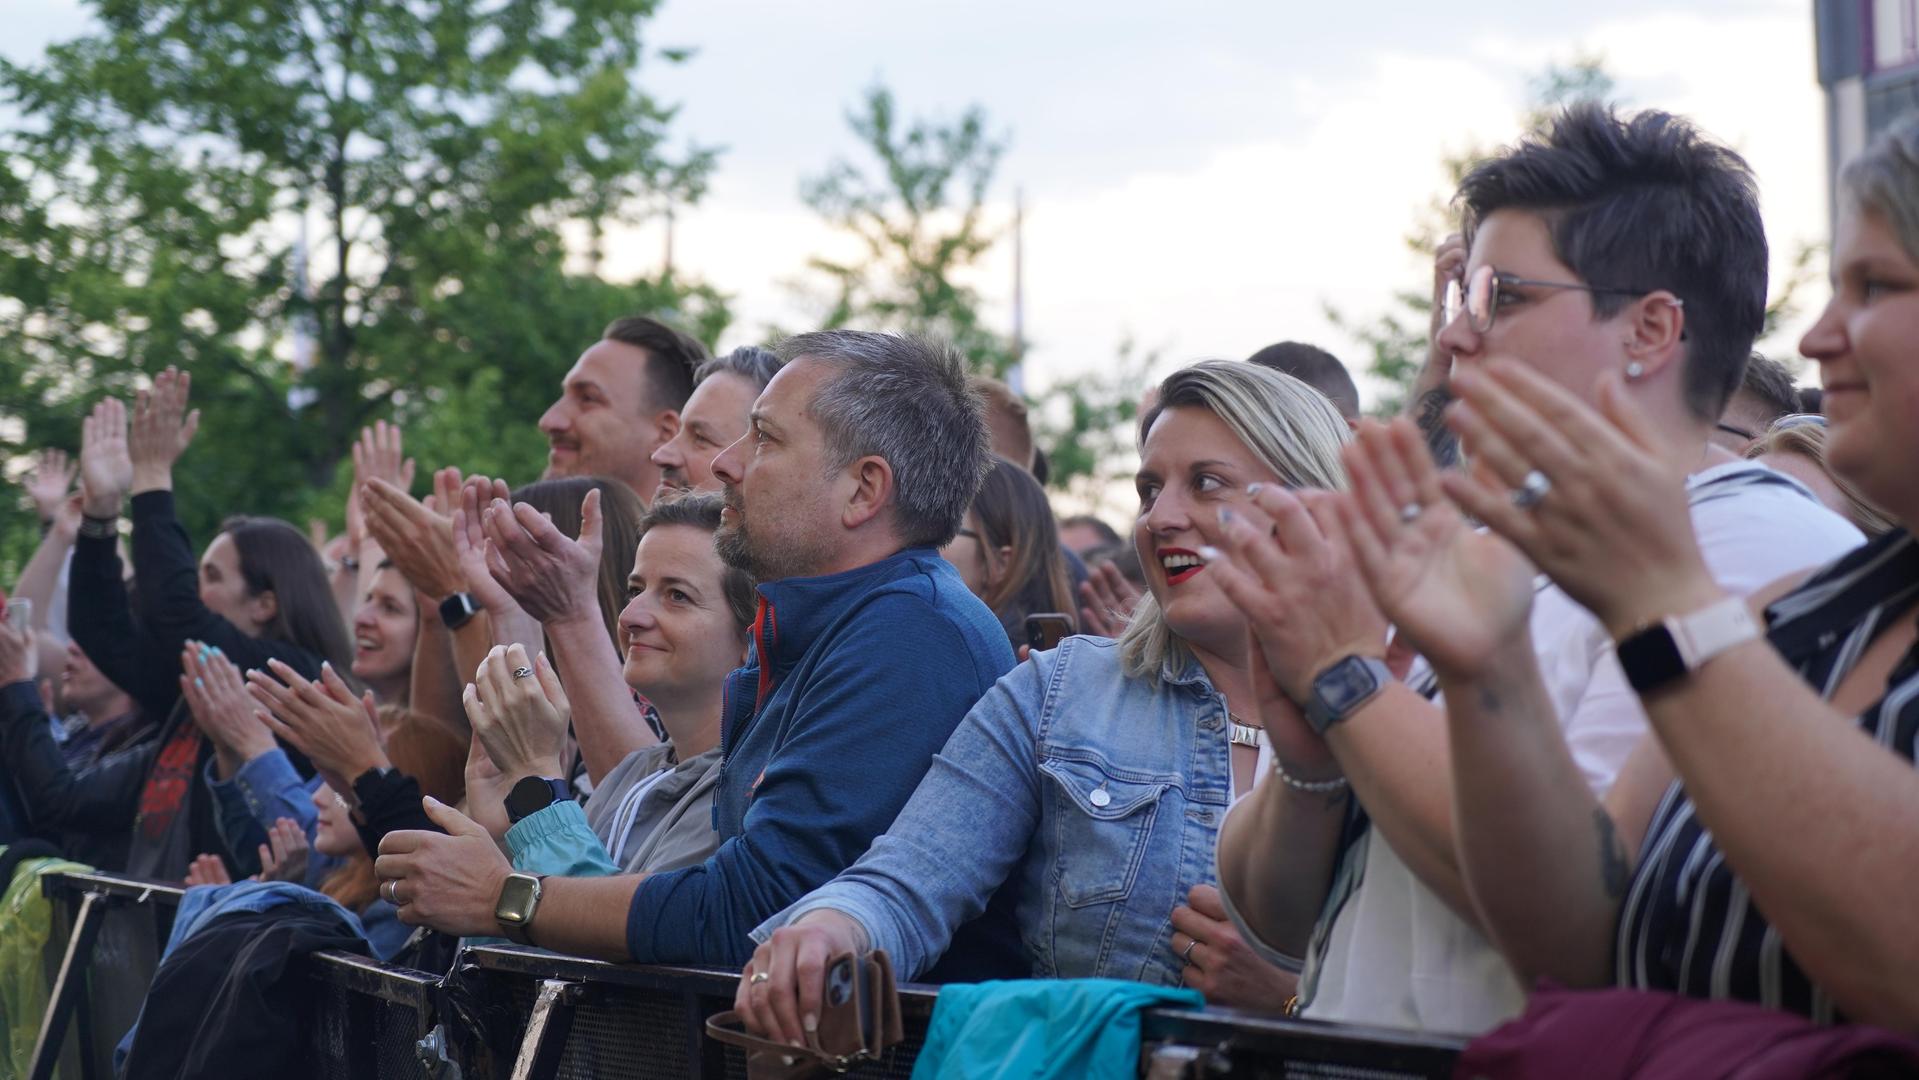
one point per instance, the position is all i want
(530, 1015)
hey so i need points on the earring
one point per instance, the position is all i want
(1634, 370)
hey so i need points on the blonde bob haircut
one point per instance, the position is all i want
(1291, 427)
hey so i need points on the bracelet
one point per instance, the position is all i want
(1314, 787)
(95, 528)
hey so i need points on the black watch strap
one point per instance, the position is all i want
(457, 609)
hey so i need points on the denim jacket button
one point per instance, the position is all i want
(1100, 797)
(1209, 723)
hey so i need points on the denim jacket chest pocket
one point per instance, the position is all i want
(1102, 820)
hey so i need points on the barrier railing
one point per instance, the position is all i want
(524, 1014)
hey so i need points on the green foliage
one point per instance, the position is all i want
(153, 190)
(1086, 423)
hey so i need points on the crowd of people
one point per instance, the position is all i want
(1596, 669)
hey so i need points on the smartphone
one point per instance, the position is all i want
(1044, 630)
(20, 613)
(840, 980)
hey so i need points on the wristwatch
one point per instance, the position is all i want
(534, 794)
(455, 610)
(1677, 645)
(1340, 690)
(519, 899)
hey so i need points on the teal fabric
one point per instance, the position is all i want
(1032, 1029)
(557, 840)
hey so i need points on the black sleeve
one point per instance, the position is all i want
(389, 802)
(166, 576)
(100, 798)
(100, 621)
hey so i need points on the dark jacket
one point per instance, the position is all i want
(858, 680)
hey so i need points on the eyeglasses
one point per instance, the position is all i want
(1479, 295)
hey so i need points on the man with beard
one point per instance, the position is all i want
(620, 402)
(860, 461)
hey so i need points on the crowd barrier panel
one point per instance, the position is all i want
(508, 1013)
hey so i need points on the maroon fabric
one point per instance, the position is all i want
(1603, 1034)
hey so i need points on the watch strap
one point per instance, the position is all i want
(1678, 645)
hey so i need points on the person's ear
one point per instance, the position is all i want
(263, 607)
(997, 560)
(872, 478)
(1656, 334)
(666, 424)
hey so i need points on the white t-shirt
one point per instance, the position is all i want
(1395, 954)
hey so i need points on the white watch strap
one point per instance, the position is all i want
(1712, 630)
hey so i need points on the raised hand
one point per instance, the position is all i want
(217, 697)
(417, 540)
(19, 659)
(106, 468)
(339, 733)
(554, 578)
(48, 481)
(519, 713)
(207, 870)
(284, 856)
(1612, 525)
(377, 453)
(510, 622)
(1106, 601)
(162, 428)
(1457, 596)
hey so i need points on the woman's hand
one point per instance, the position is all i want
(509, 621)
(1457, 596)
(19, 659)
(106, 469)
(339, 733)
(217, 697)
(486, 791)
(1219, 963)
(554, 578)
(1106, 601)
(207, 870)
(785, 1005)
(418, 541)
(284, 856)
(1613, 526)
(162, 428)
(48, 481)
(519, 713)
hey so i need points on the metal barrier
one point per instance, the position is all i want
(524, 1014)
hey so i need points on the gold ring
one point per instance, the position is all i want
(760, 977)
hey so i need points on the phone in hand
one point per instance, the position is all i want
(20, 613)
(1045, 629)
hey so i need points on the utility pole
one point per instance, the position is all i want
(1015, 374)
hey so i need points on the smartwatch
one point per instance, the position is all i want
(455, 610)
(1678, 645)
(1340, 690)
(519, 899)
(534, 794)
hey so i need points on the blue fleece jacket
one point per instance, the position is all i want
(856, 682)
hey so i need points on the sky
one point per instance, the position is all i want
(1201, 179)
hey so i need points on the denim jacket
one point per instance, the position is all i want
(1098, 796)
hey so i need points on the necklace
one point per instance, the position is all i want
(1245, 734)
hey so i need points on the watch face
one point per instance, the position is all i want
(530, 796)
(516, 898)
(1345, 684)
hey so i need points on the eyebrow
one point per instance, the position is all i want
(583, 385)
(760, 419)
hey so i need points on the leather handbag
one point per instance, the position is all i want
(859, 1020)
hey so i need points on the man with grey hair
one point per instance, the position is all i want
(861, 459)
(714, 418)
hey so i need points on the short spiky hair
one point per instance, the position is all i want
(1645, 202)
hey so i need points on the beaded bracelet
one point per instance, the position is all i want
(1315, 787)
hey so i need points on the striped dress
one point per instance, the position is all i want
(1688, 924)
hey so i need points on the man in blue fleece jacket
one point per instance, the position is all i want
(861, 459)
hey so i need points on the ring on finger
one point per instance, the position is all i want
(1409, 513)
(523, 673)
(1186, 956)
(1532, 488)
(760, 977)
(390, 889)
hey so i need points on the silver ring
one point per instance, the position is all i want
(390, 890)
(760, 977)
(1409, 513)
(1187, 956)
(1531, 489)
(523, 673)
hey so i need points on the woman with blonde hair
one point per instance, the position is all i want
(1796, 445)
(1090, 781)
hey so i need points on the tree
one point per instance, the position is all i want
(154, 192)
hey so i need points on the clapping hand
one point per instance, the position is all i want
(519, 713)
(553, 577)
(486, 790)
(19, 659)
(1106, 601)
(417, 540)
(284, 856)
(339, 733)
(509, 620)
(106, 467)
(207, 870)
(216, 695)
(47, 483)
(376, 454)
(162, 428)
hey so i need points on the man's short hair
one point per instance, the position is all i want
(749, 362)
(1005, 406)
(1647, 202)
(1768, 381)
(1316, 368)
(671, 357)
(905, 399)
(1105, 532)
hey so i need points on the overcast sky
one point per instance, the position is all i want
(1202, 179)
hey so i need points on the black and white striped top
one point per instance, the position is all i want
(1688, 924)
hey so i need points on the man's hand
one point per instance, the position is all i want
(519, 713)
(106, 469)
(449, 882)
(337, 732)
(1106, 601)
(284, 856)
(19, 659)
(417, 540)
(47, 483)
(554, 578)
(785, 1005)
(162, 428)
(1219, 963)
(217, 697)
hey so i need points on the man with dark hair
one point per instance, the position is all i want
(863, 455)
(714, 418)
(1605, 249)
(1082, 533)
(1316, 368)
(1764, 395)
(620, 402)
